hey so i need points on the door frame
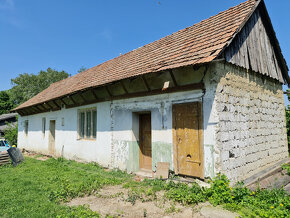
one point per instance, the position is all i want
(200, 132)
(51, 146)
(140, 152)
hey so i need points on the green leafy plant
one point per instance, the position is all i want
(11, 133)
(220, 191)
(286, 167)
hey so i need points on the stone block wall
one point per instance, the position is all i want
(251, 132)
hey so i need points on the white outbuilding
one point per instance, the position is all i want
(205, 99)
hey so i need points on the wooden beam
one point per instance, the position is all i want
(94, 94)
(30, 110)
(82, 97)
(154, 92)
(25, 111)
(21, 113)
(49, 106)
(123, 86)
(62, 101)
(173, 78)
(71, 98)
(108, 91)
(35, 108)
(54, 102)
(39, 107)
(145, 83)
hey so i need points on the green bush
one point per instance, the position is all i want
(258, 203)
(11, 133)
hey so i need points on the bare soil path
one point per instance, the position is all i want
(116, 201)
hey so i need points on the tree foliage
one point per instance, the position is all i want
(11, 132)
(5, 102)
(25, 86)
(82, 69)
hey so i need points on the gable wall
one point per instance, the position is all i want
(252, 49)
(251, 133)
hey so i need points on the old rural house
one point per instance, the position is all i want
(206, 99)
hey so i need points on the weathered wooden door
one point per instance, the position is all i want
(187, 139)
(51, 137)
(145, 158)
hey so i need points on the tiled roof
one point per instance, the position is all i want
(200, 43)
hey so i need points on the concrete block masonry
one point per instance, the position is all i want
(251, 133)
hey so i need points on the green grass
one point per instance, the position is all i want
(37, 188)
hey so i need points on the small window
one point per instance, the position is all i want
(43, 126)
(87, 123)
(26, 127)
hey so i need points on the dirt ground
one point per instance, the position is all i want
(116, 201)
(35, 155)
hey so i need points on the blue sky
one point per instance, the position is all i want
(68, 34)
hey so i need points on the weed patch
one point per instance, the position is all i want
(260, 203)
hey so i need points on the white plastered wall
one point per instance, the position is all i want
(115, 129)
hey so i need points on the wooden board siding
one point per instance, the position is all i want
(253, 50)
(187, 139)
(145, 160)
(4, 159)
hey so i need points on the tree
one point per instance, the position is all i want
(82, 69)
(5, 102)
(25, 86)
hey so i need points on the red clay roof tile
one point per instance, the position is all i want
(200, 43)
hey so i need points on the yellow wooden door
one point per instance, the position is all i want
(145, 160)
(187, 139)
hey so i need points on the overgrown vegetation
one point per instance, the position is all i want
(260, 203)
(286, 167)
(11, 133)
(36, 188)
(39, 188)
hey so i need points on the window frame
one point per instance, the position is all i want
(43, 126)
(85, 111)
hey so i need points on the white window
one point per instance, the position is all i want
(26, 127)
(43, 126)
(87, 123)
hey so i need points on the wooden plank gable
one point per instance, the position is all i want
(253, 49)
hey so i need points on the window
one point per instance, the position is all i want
(43, 126)
(87, 123)
(26, 127)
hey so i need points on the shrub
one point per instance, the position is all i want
(11, 133)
